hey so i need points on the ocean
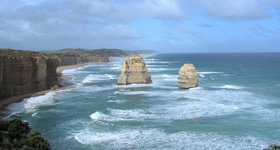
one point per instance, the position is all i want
(236, 106)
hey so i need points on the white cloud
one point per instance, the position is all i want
(233, 9)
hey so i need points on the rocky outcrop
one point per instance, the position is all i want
(134, 71)
(188, 77)
(24, 72)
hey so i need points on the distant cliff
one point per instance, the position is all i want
(110, 52)
(24, 72)
(79, 56)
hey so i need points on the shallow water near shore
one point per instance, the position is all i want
(236, 106)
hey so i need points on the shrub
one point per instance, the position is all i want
(15, 134)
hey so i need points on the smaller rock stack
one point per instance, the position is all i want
(188, 77)
(134, 71)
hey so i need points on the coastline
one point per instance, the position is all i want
(18, 98)
(60, 69)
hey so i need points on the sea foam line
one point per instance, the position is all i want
(141, 138)
(230, 87)
(203, 74)
(32, 104)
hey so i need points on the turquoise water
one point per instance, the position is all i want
(236, 106)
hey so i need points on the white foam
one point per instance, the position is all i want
(130, 114)
(131, 92)
(116, 68)
(110, 76)
(158, 139)
(34, 114)
(230, 87)
(94, 88)
(203, 74)
(157, 62)
(168, 77)
(96, 78)
(157, 66)
(116, 115)
(195, 88)
(197, 102)
(160, 69)
(116, 101)
(133, 85)
(75, 71)
(32, 104)
(97, 116)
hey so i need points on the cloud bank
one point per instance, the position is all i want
(153, 24)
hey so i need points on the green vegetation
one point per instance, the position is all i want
(273, 147)
(16, 134)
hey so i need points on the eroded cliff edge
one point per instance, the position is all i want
(24, 72)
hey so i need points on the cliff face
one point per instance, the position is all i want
(188, 77)
(24, 72)
(134, 71)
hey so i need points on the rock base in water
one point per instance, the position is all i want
(188, 77)
(134, 71)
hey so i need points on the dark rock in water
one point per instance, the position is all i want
(273, 147)
(188, 77)
(15, 134)
(134, 71)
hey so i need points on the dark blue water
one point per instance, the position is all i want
(236, 106)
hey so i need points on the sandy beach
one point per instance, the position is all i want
(14, 99)
(62, 68)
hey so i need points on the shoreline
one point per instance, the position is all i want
(18, 98)
(60, 69)
(4, 103)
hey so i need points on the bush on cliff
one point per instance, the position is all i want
(15, 134)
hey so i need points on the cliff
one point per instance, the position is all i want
(24, 72)
(134, 71)
(110, 52)
(79, 56)
(188, 77)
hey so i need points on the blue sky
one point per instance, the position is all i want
(163, 25)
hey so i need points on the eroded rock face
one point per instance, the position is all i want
(24, 72)
(134, 71)
(188, 77)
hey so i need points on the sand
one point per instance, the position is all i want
(60, 69)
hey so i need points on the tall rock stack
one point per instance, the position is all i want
(134, 71)
(188, 77)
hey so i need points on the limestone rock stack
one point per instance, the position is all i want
(188, 77)
(134, 71)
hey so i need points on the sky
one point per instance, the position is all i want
(164, 25)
